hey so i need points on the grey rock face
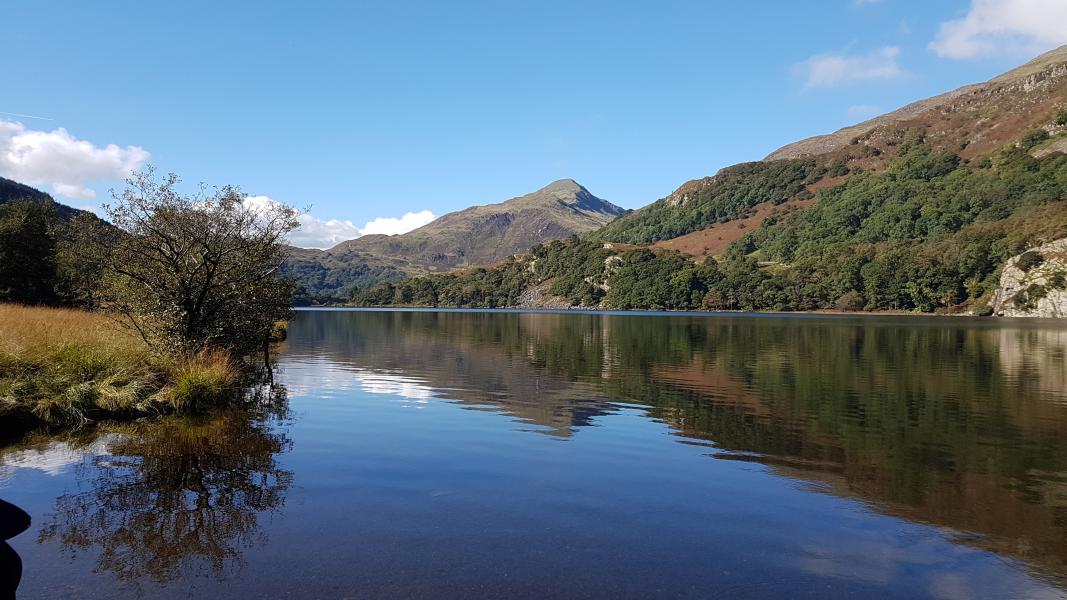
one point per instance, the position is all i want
(1034, 283)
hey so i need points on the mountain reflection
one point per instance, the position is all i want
(960, 424)
(174, 496)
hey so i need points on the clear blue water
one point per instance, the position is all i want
(488, 455)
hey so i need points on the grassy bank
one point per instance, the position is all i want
(67, 367)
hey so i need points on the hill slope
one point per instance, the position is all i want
(13, 190)
(487, 234)
(478, 235)
(972, 122)
(973, 119)
(915, 214)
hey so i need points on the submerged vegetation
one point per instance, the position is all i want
(928, 233)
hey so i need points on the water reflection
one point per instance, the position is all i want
(179, 496)
(670, 456)
(960, 424)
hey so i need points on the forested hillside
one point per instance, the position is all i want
(973, 122)
(914, 210)
(928, 232)
(729, 195)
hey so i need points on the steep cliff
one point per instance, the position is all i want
(1034, 283)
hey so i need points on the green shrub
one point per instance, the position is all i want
(851, 300)
(1030, 260)
(1033, 138)
(1027, 299)
(1058, 281)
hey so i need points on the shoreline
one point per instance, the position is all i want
(829, 313)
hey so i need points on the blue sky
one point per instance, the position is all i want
(368, 110)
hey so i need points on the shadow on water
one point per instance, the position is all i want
(13, 521)
(956, 423)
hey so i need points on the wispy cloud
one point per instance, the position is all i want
(1003, 27)
(22, 116)
(831, 70)
(865, 2)
(62, 161)
(326, 233)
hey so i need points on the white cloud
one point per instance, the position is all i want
(58, 159)
(327, 233)
(865, 2)
(394, 226)
(829, 70)
(864, 111)
(993, 27)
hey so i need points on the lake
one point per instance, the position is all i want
(428, 454)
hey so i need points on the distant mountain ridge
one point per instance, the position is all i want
(479, 235)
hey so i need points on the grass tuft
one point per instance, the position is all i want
(208, 379)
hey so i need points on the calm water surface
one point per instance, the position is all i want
(492, 455)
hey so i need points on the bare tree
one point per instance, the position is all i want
(191, 272)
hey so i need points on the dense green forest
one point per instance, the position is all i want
(37, 262)
(927, 233)
(729, 195)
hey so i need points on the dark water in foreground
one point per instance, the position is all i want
(477, 455)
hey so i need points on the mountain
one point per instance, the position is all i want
(482, 235)
(479, 235)
(971, 122)
(918, 210)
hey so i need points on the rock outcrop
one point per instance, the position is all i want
(1034, 283)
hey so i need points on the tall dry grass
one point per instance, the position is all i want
(33, 329)
(63, 366)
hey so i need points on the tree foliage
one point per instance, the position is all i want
(28, 272)
(730, 194)
(191, 272)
